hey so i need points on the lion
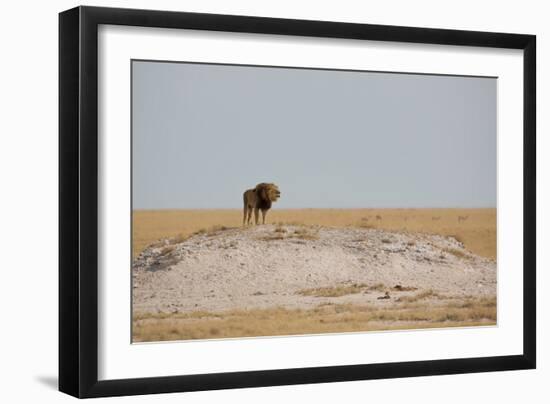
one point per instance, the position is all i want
(259, 198)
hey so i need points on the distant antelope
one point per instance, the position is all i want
(436, 217)
(462, 218)
(378, 217)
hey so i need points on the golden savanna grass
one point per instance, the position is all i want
(341, 290)
(475, 228)
(326, 318)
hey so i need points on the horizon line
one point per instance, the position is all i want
(347, 208)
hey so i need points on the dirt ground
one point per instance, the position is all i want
(360, 270)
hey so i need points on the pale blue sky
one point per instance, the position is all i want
(202, 134)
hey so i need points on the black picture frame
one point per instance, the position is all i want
(78, 201)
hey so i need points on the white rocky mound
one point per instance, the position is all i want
(276, 266)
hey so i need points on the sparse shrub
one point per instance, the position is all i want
(220, 228)
(305, 234)
(341, 290)
(167, 250)
(456, 252)
(212, 231)
(419, 296)
(215, 230)
(450, 317)
(458, 238)
(332, 291)
(379, 287)
(291, 223)
(180, 238)
(400, 288)
(272, 237)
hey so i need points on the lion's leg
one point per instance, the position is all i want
(249, 217)
(263, 215)
(256, 215)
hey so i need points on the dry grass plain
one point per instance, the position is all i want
(475, 228)
(328, 318)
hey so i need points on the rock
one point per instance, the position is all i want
(279, 268)
(386, 296)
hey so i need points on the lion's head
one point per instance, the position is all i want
(268, 192)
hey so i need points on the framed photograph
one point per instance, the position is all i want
(249, 201)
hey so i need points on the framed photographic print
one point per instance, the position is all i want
(250, 201)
